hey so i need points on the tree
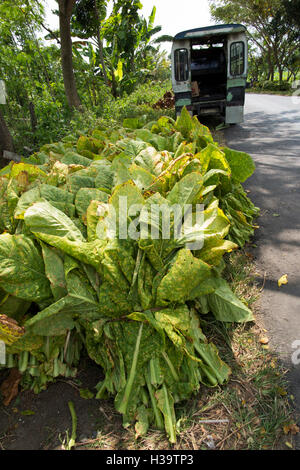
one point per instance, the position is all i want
(292, 13)
(14, 31)
(292, 17)
(65, 12)
(86, 23)
(267, 28)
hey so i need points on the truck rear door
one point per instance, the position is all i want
(236, 77)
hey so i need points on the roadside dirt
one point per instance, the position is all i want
(40, 422)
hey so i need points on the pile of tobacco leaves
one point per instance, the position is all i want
(70, 285)
(166, 102)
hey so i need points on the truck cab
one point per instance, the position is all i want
(209, 71)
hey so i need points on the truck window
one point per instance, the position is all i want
(181, 65)
(237, 58)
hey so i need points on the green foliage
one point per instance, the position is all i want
(36, 111)
(273, 31)
(268, 85)
(135, 303)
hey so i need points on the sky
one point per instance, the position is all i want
(173, 15)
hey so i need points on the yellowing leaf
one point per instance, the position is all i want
(291, 428)
(281, 391)
(27, 413)
(283, 280)
(264, 340)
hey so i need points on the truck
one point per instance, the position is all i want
(209, 71)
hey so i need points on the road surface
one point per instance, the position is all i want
(271, 134)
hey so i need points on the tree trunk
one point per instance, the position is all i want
(65, 11)
(100, 45)
(33, 118)
(113, 85)
(6, 141)
(271, 68)
(271, 72)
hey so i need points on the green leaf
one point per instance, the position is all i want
(142, 423)
(141, 177)
(54, 268)
(241, 164)
(86, 144)
(187, 190)
(131, 123)
(92, 219)
(132, 147)
(214, 248)
(166, 405)
(183, 279)
(83, 199)
(13, 306)
(184, 123)
(22, 269)
(73, 158)
(86, 393)
(151, 160)
(45, 219)
(226, 306)
(123, 399)
(26, 200)
(105, 176)
(31, 171)
(55, 228)
(159, 142)
(54, 320)
(216, 371)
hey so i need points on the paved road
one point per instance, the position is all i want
(271, 134)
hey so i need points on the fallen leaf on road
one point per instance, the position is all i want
(27, 413)
(281, 391)
(86, 393)
(9, 388)
(288, 444)
(291, 428)
(283, 280)
(264, 340)
(276, 215)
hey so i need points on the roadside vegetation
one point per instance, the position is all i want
(113, 54)
(273, 34)
(99, 88)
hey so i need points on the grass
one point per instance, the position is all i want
(251, 412)
(269, 92)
